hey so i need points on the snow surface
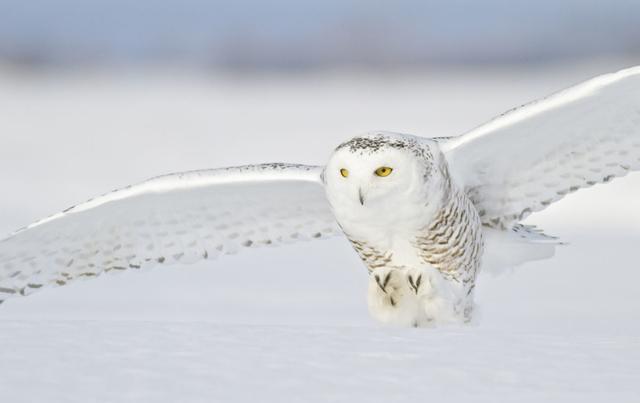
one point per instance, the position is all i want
(290, 323)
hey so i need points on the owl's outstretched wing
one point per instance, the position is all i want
(182, 218)
(532, 156)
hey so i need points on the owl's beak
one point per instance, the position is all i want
(361, 196)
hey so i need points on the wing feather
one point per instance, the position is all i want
(532, 156)
(178, 218)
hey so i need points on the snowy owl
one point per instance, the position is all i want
(425, 215)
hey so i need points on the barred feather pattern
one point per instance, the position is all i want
(372, 257)
(453, 242)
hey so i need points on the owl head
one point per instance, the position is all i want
(384, 177)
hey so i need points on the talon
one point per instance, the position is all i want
(386, 279)
(415, 284)
(379, 284)
(393, 303)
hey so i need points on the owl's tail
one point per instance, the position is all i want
(507, 249)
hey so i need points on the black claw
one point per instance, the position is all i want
(414, 285)
(386, 279)
(380, 285)
(393, 303)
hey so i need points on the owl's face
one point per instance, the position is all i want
(380, 177)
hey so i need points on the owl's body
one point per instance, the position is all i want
(432, 232)
(424, 214)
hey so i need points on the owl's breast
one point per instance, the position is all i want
(389, 247)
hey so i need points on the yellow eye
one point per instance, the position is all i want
(344, 172)
(383, 171)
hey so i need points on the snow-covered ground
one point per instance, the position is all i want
(290, 324)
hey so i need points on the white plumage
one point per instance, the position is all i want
(531, 156)
(448, 208)
(180, 218)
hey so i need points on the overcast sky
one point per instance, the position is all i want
(303, 34)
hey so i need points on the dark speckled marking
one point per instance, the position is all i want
(68, 209)
(373, 144)
(7, 290)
